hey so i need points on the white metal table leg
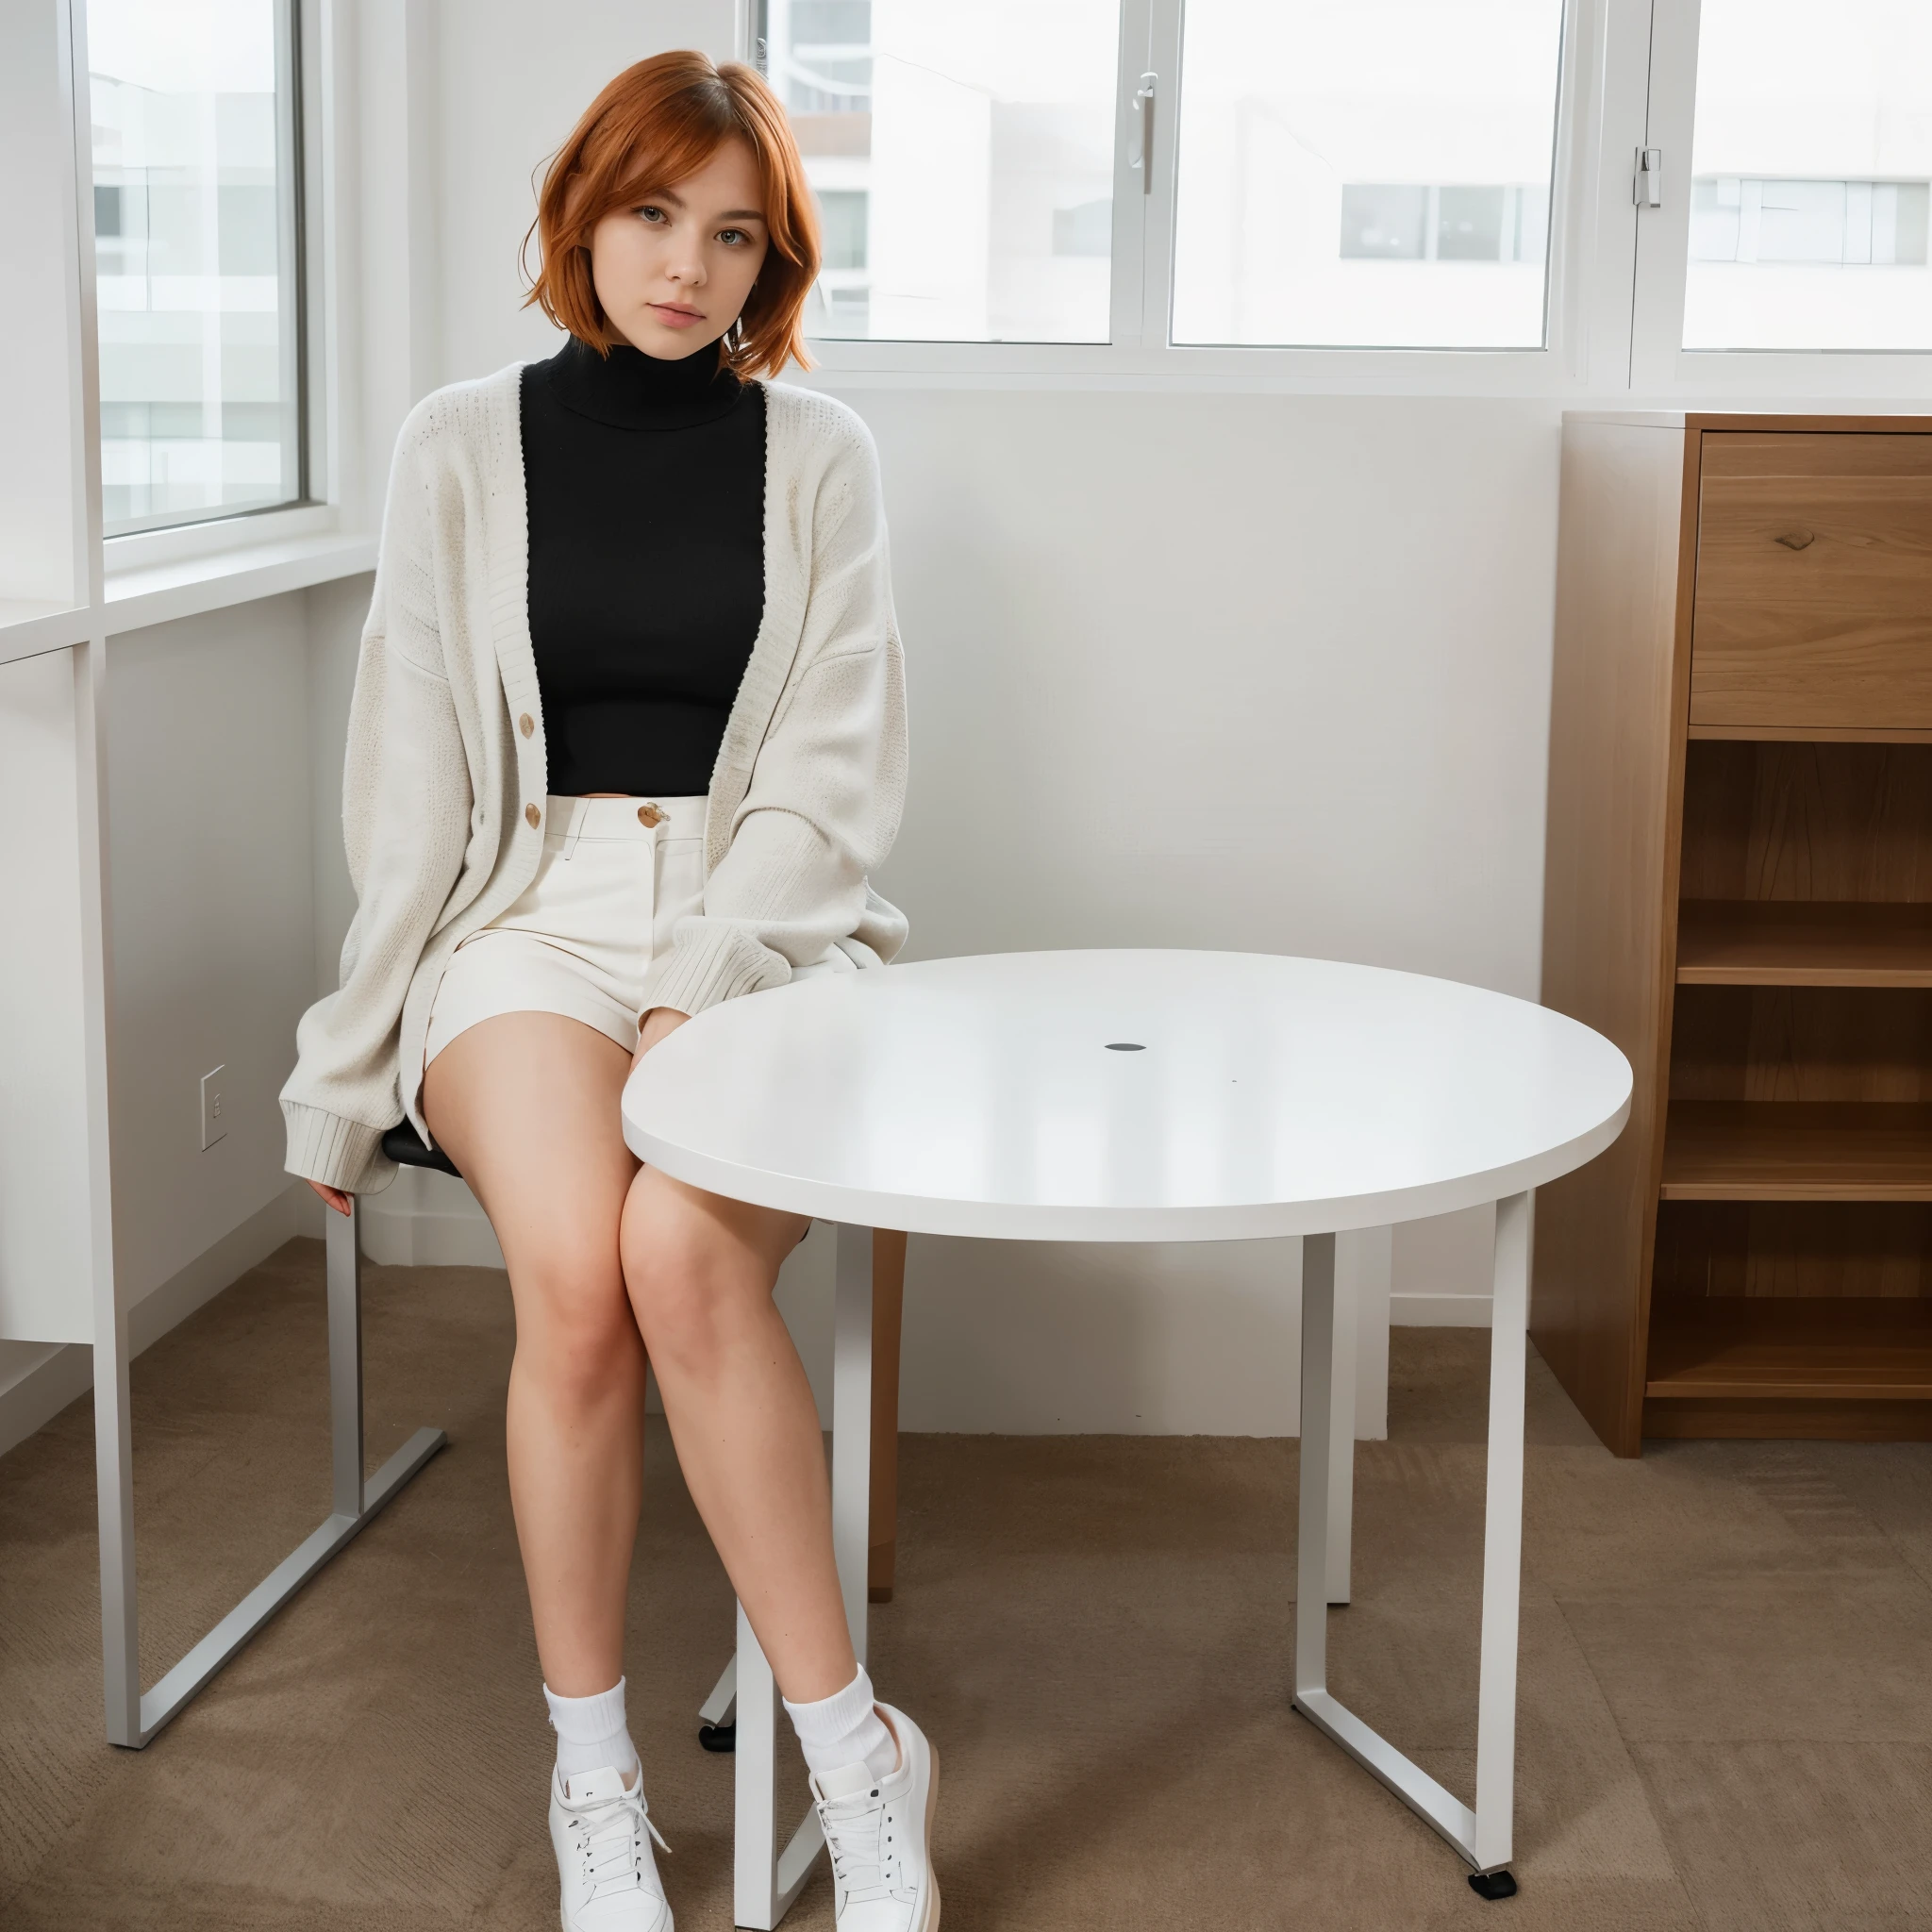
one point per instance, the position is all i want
(1483, 1836)
(720, 1706)
(1350, 1263)
(1317, 1454)
(134, 1723)
(852, 1426)
(765, 1881)
(1360, 1272)
(1366, 1260)
(1495, 1732)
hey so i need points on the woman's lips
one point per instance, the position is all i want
(672, 317)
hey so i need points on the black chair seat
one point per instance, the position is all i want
(406, 1147)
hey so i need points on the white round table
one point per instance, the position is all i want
(1146, 1096)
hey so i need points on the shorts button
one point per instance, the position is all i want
(649, 815)
(531, 813)
(527, 724)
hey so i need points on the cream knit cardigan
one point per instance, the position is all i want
(443, 786)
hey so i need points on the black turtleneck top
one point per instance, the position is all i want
(645, 481)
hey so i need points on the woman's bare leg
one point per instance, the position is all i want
(701, 1270)
(527, 1106)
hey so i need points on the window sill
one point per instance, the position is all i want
(217, 537)
(160, 592)
(28, 626)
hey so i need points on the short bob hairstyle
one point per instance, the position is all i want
(656, 124)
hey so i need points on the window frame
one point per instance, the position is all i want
(302, 158)
(1659, 364)
(1614, 295)
(1600, 82)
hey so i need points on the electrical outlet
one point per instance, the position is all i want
(213, 1121)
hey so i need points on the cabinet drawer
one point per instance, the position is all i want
(1813, 605)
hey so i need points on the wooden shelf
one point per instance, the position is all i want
(1721, 1150)
(1813, 734)
(1803, 942)
(1746, 1348)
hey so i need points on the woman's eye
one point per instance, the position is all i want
(650, 213)
(733, 237)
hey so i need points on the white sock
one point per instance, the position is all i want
(591, 1733)
(845, 1729)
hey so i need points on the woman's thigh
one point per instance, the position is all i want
(526, 1105)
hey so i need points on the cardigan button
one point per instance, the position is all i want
(534, 816)
(527, 724)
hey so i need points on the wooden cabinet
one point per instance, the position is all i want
(1739, 892)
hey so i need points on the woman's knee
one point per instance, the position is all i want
(689, 1282)
(576, 1330)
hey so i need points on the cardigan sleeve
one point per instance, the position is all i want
(829, 784)
(406, 809)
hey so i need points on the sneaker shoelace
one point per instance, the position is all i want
(865, 1862)
(611, 1842)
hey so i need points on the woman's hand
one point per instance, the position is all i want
(332, 1197)
(660, 1024)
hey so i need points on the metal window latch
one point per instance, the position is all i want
(1647, 188)
(1142, 157)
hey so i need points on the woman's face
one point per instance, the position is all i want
(673, 272)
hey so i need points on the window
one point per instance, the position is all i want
(964, 161)
(195, 257)
(1375, 176)
(1812, 166)
(1629, 185)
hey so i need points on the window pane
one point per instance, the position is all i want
(963, 160)
(1373, 176)
(195, 260)
(1812, 168)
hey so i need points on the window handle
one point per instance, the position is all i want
(1143, 157)
(1647, 189)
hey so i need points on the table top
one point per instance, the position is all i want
(1126, 1096)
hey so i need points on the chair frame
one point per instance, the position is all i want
(134, 1716)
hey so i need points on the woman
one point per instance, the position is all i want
(628, 735)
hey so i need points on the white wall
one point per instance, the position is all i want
(213, 919)
(1264, 672)
(223, 733)
(1221, 671)
(514, 79)
(1261, 673)
(45, 1255)
(1253, 671)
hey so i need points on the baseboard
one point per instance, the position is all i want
(1439, 1311)
(64, 1372)
(67, 1372)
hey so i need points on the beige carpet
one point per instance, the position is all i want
(1726, 1665)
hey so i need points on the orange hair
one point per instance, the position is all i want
(653, 126)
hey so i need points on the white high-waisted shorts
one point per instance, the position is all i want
(605, 898)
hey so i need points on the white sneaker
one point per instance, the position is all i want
(598, 1831)
(876, 1831)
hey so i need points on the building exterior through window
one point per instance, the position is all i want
(195, 279)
